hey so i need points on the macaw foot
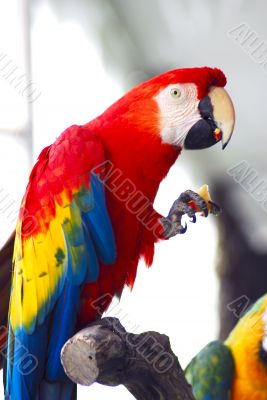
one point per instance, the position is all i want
(188, 203)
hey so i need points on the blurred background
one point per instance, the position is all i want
(63, 62)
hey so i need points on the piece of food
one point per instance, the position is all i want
(213, 208)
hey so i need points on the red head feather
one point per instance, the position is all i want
(203, 77)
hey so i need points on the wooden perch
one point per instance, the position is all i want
(145, 364)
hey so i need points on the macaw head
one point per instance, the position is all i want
(187, 108)
(196, 112)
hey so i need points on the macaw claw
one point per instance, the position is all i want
(188, 203)
(215, 209)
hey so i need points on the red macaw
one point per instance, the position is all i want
(87, 217)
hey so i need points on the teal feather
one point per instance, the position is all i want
(211, 372)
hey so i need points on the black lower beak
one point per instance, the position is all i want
(200, 136)
(204, 133)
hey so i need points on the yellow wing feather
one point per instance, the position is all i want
(38, 268)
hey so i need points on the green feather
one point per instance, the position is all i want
(211, 372)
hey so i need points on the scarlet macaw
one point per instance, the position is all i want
(237, 368)
(87, 216)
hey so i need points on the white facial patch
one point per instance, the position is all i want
(178, 106)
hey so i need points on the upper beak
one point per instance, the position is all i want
(223, 113)
(216, 123)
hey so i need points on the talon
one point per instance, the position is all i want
(205, 211)
(184, 229)
(215, 209)
(172, 228)
(193, 219)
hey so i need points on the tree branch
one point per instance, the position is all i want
(145, 364)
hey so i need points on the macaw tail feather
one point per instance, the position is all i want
(57, 391)
(6, 255)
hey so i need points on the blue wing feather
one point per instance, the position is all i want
(98, 223)
(63, 323)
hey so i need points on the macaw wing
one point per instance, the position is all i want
(211, 372)
(63, 234)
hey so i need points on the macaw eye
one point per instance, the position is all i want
(176, 93)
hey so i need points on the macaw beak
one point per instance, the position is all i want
(216, 123)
